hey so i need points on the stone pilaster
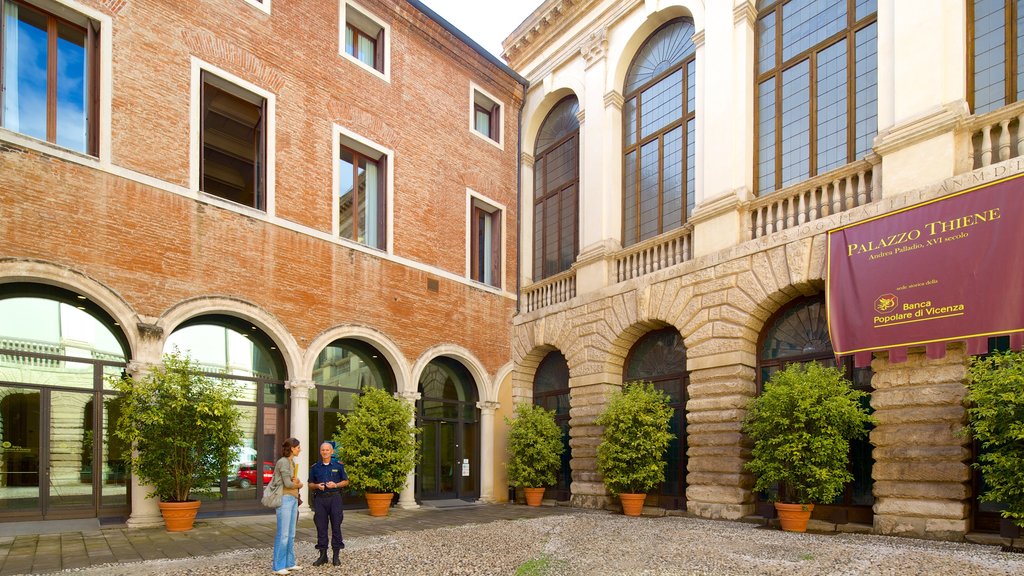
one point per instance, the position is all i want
(407, 498)
(587, 401)
(921, 473)
(717, 486)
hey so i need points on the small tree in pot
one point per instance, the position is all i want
(631, 455)
(534, 450)
(184, 427)
(995, 398)
(801, 426)
(377, 443)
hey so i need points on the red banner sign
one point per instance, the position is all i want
(948, 269)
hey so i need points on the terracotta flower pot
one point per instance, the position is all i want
(179, 516)
(379, 502)
(632, 504)
(534, 496)
(794, 517)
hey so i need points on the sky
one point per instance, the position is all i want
(486, 22)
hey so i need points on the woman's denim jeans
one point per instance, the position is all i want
(284, 542)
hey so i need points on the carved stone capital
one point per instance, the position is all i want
(150, 331)
(410, 397)
(527, 160)
(698, 39)
(745, 13)
(300, 388)
(488, 407)
(581, 116)
(595, 47)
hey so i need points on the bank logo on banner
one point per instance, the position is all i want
(948, 269)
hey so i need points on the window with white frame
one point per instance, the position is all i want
(364, 38)
(362, 193)
(485, 115)
(49, 74)
(484, 242)
(233, 134)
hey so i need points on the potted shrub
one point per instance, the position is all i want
(631, 455)
(801, 426)
(184, 427)
(995, 397)
(534, 451)
(377, 443)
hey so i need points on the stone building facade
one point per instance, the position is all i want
(777, 121)
(330, 186)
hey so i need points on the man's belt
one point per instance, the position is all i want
(328, 492)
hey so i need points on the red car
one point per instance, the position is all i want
(247, 474)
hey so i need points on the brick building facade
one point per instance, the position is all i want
(307, 175)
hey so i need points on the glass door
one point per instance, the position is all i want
(69, 453)
(20, 437)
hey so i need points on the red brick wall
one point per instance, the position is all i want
(156, 248)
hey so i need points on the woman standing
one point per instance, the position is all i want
(287, 473)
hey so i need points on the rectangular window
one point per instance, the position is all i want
(486, 115)
(365, 38)
(485, 244)
(362, 197)
(48, 75)
(233, 143)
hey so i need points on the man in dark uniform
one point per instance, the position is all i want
(326, 479)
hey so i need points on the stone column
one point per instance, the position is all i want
(588, 397)
(145, 508)
(300, 431)
(407, 498)
(921, 472)
(716, 485)
(487, 450)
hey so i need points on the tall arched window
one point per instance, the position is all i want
(551, 392)
(995, 64)
(799, 333)
(660, 358)
(556, 178)
(817, 87)
(658, 128)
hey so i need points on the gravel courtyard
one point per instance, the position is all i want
(594, 544)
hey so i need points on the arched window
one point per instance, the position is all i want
(817, 87)
(660, 358)
(556, 178)
(995, 63)
(799, 333)
(658, 129)
(551, 392)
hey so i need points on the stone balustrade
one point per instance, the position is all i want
(995, 136)
(654, 254)
(549, 291)
(852, 185)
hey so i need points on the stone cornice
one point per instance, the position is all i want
(613, 98)
(527, 159)
(724, 204)
(581, 116)
(698, 39)
(946, 118)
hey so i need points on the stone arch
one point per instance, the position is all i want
(262, 319)
(526, 369)
(50, 274)
(393, 355)
(615, 360)
(485, 388)
(657, 13)
(535, 117)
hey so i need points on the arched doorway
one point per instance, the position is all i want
(340, 373)
(799, 333)
(660, 358)
(242, 356)
(447, 413)
(58, 455)
(551, 392)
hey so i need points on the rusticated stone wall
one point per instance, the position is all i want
(921, 472)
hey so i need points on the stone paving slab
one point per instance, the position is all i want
(48, 553)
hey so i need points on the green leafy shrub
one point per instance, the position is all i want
(995, 395)
(184, 426)
(801, 426)
(631, 455)
(376, 442)
(534, 447)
